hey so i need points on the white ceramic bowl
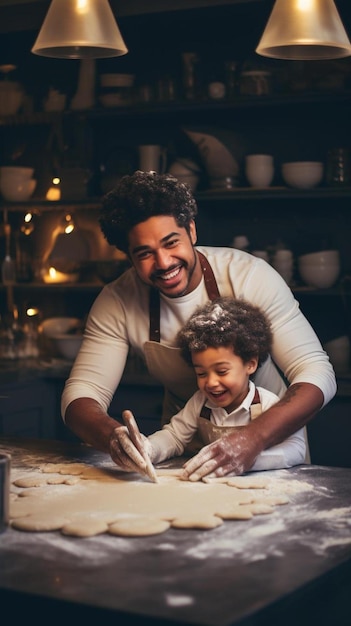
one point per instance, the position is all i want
(54, 326)
(16, 171)
(17, 190)
(117, 80)
(68, 345)
(303, 174)
(321, 276)
(322, 257)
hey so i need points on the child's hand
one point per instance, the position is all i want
(233, 454)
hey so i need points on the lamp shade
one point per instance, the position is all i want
(77, 29)
(304, 30)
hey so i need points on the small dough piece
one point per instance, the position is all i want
(202, 521)
(260, 508)
(138, 526)
(30, 481)
(55, 480)
(247, 482)
(38, 523)
(74, 480)
(73, 469)
(235, 511)
(50, 468)
(84, 527)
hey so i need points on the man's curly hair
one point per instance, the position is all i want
(142, 195)
(229, 323)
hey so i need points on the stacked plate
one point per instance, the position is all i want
(116, 89)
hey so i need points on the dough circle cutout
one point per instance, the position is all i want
(138, 526)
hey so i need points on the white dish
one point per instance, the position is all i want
(117, 80)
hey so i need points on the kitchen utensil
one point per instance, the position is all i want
(338, 167)
(152, 158)
(218, 160)
(135, 436)
(8, 267)
(5, 463)
(259, 169)
(255, 83)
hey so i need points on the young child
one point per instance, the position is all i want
(226, 341)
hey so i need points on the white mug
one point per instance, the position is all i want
(259, 169)
(152, 158)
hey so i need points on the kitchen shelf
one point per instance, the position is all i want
(273, 193)
(182, 107)
(46, 206)
(208, 196)
(94, 286)
(344, 287)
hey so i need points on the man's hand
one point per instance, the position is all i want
(124, 453)
(233, 454)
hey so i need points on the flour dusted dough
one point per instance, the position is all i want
(138, 526)
(83, 501)
(197, 520)
(84, 527)
(30, 481)
(39, 523)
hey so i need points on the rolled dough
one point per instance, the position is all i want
(97, 500)
(138, 526)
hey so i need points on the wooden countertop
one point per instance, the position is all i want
(291, 567)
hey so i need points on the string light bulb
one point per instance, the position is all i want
(69, 224)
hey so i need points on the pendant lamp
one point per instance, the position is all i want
(304, 30)
(79, 29)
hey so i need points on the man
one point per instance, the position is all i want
(151, 218)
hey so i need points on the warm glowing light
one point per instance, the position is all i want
(305, 5)
(56, 180)
(69, 224)
(27, 225)
(82, 6)
(53, 193)
(32, 312)
(54, 276)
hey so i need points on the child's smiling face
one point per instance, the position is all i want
(223, 376)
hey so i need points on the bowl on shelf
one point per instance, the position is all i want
(54, 326)
(68, 345)
(16, 171)
(17, 189)
(62, 336)
(303, 174)
(320, 269)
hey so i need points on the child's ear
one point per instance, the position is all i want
(252, 365)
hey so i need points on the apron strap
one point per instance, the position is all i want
(154, 301)
(209, 277)
(154, 315)
(206, 411)
(256, 398)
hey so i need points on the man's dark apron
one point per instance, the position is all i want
(165, 363)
